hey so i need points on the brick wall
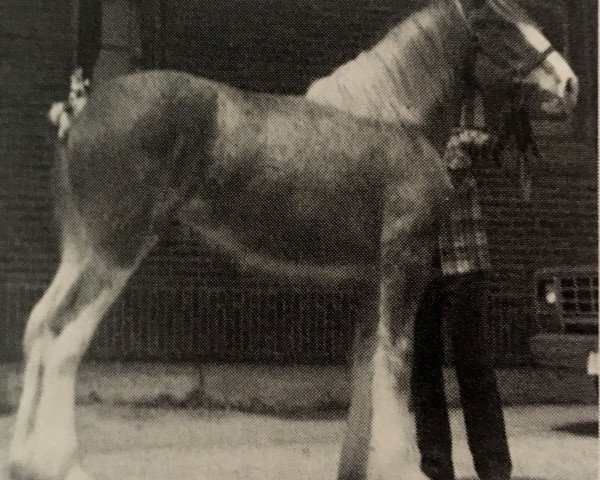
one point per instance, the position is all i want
(202, 306)
(556, 228)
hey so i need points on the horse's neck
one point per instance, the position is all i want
(414, 75)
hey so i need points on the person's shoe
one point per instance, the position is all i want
(437, 474)
(497, 471)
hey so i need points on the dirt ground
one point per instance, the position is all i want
(140, 443)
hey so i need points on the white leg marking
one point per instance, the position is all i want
(29, 397)
(35, 341)
(355, 450)
(54, 440)
(394, 452)
(44, 443)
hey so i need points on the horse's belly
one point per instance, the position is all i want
(260, 261)
(282, 242)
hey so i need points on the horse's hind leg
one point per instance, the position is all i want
(33, 345)
(58, 334)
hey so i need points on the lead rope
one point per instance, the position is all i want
(527, 146)
(472, 119)
(517, 129)
(473, 138)
(470, 138)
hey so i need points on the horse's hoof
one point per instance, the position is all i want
(22, 470)
(77, 473)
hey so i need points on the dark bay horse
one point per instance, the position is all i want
(284, 185)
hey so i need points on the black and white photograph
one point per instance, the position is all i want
(299, 240)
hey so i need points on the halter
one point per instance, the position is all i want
(515, 72)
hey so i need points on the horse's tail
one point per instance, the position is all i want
(55, 113)
(63, 114)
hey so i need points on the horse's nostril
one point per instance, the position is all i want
(569, 86)
(571, 90)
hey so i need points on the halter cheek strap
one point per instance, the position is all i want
(463, 15)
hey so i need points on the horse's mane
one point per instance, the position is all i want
(387, 81)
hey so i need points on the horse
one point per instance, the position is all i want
(283, 185)
(410, 85)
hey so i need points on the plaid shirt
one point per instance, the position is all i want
(463, 243)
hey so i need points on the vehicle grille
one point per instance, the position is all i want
(579, 295)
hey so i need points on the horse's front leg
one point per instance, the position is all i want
(407, 242)
(380, 440)
(355, 450)
(393, 443)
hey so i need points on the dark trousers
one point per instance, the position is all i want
(461, 300)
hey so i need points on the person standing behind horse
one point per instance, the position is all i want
(458, 293)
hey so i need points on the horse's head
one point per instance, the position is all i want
(512, 47)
